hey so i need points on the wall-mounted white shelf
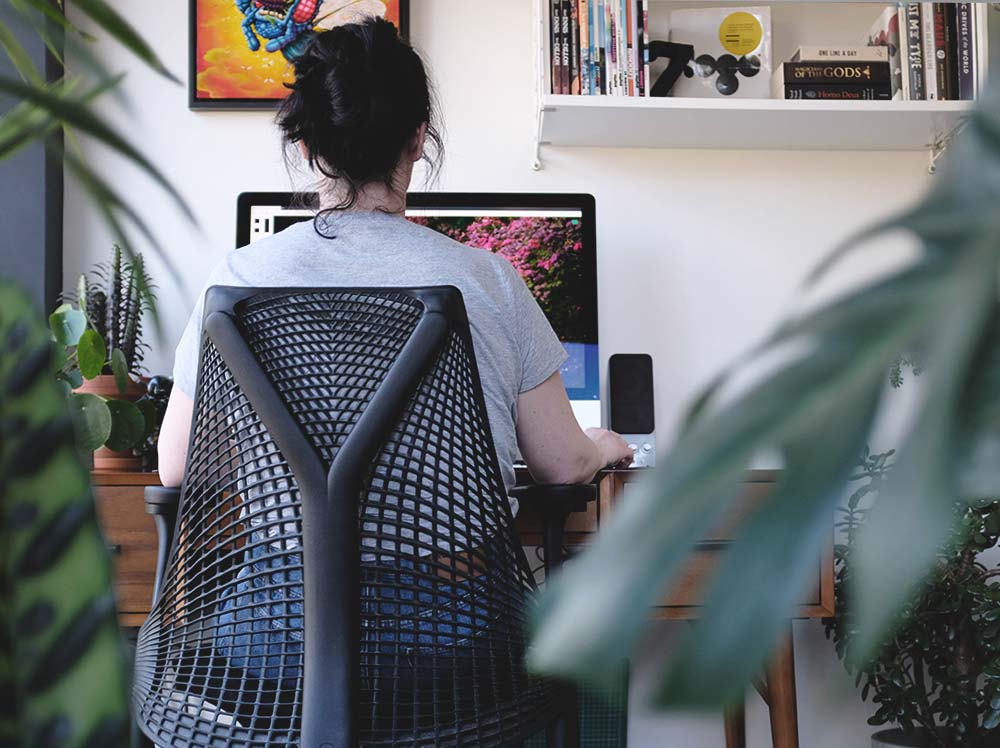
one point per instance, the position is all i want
(746, 123)
(765, 124)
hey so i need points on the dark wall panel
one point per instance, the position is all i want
(31, 199)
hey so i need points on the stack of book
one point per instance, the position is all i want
(936, 47)
(599, 47)
(835, 74)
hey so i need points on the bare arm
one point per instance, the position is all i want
(174, 436)
(552, 443)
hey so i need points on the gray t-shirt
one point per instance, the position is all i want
(516, 348)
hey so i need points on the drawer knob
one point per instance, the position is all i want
(114, 549)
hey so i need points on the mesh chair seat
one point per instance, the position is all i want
(344, 569)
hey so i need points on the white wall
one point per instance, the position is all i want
(699, 251)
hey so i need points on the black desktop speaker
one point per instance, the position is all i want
(630, 382)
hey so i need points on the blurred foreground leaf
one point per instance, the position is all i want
(825, 383)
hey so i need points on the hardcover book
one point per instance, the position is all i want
(840, 54)
(835, 92)
(844, 73)
(942, 54)
(965, 46)
(915, 50)
(930, 51)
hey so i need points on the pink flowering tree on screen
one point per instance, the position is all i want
(547, 253)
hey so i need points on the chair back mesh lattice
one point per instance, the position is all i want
(443, 584)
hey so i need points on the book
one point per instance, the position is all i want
(600, 67)
(965, 47)
(941, 51)
(645, 45)
(584, 47)
(554, 44)
(857, 73)
(904, 54)
(915, 51)
(573, 33)
(930, 51)
(838, 92)
(850, 54)
(640, 43)
(630, 45)
(884, 34)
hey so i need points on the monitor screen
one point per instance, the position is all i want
(549, 239)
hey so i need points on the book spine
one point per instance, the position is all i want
(633, 49)
(838, 54)
(942, 51)
(840, 73)
(603, 44)
(574, 47)
(554, 45)
(645, 44)
(585, 71)
(621, 25)
(640, 46)
(834, 92)
(915, 50)
(965, 52)
(930, 52)
(904, 54)
(609, 30)
(567, 47)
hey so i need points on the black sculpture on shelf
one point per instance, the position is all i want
(683, 62)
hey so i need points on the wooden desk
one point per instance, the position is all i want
(777, 686)
(130, 532)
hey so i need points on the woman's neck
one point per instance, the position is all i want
(371, 198)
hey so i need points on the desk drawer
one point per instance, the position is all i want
(131, 535)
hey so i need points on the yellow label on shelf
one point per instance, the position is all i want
(740, 33)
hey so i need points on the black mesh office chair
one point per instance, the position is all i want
(342, 568)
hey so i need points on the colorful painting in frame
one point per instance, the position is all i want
(241, 49)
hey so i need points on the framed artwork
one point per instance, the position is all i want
(241, 50)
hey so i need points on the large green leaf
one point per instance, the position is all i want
(127, 425)
(17, 54)
(72, 114)
(67, 325)
(119, 367)
(816, 384)
(112, 22)
(93, 421)
(63, 671)
(91, 354)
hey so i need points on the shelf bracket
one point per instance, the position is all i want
(941, 144)
(537, 164)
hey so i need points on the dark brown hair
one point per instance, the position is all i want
(360, 95)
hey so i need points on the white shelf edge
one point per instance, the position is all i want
(551, 101)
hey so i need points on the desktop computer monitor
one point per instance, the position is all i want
(549, 238)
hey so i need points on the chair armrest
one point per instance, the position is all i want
(556, 500)
(162, 503)
(555, 503)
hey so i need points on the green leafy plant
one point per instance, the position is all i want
(810, 393)
(56, 111)
(85, 355)
(63, 670)
(937, 675)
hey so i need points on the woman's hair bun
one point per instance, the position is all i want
(360, 95)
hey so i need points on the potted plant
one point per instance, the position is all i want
(103, 349)
(936, 678)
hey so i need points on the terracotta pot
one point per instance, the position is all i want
(104, 386)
